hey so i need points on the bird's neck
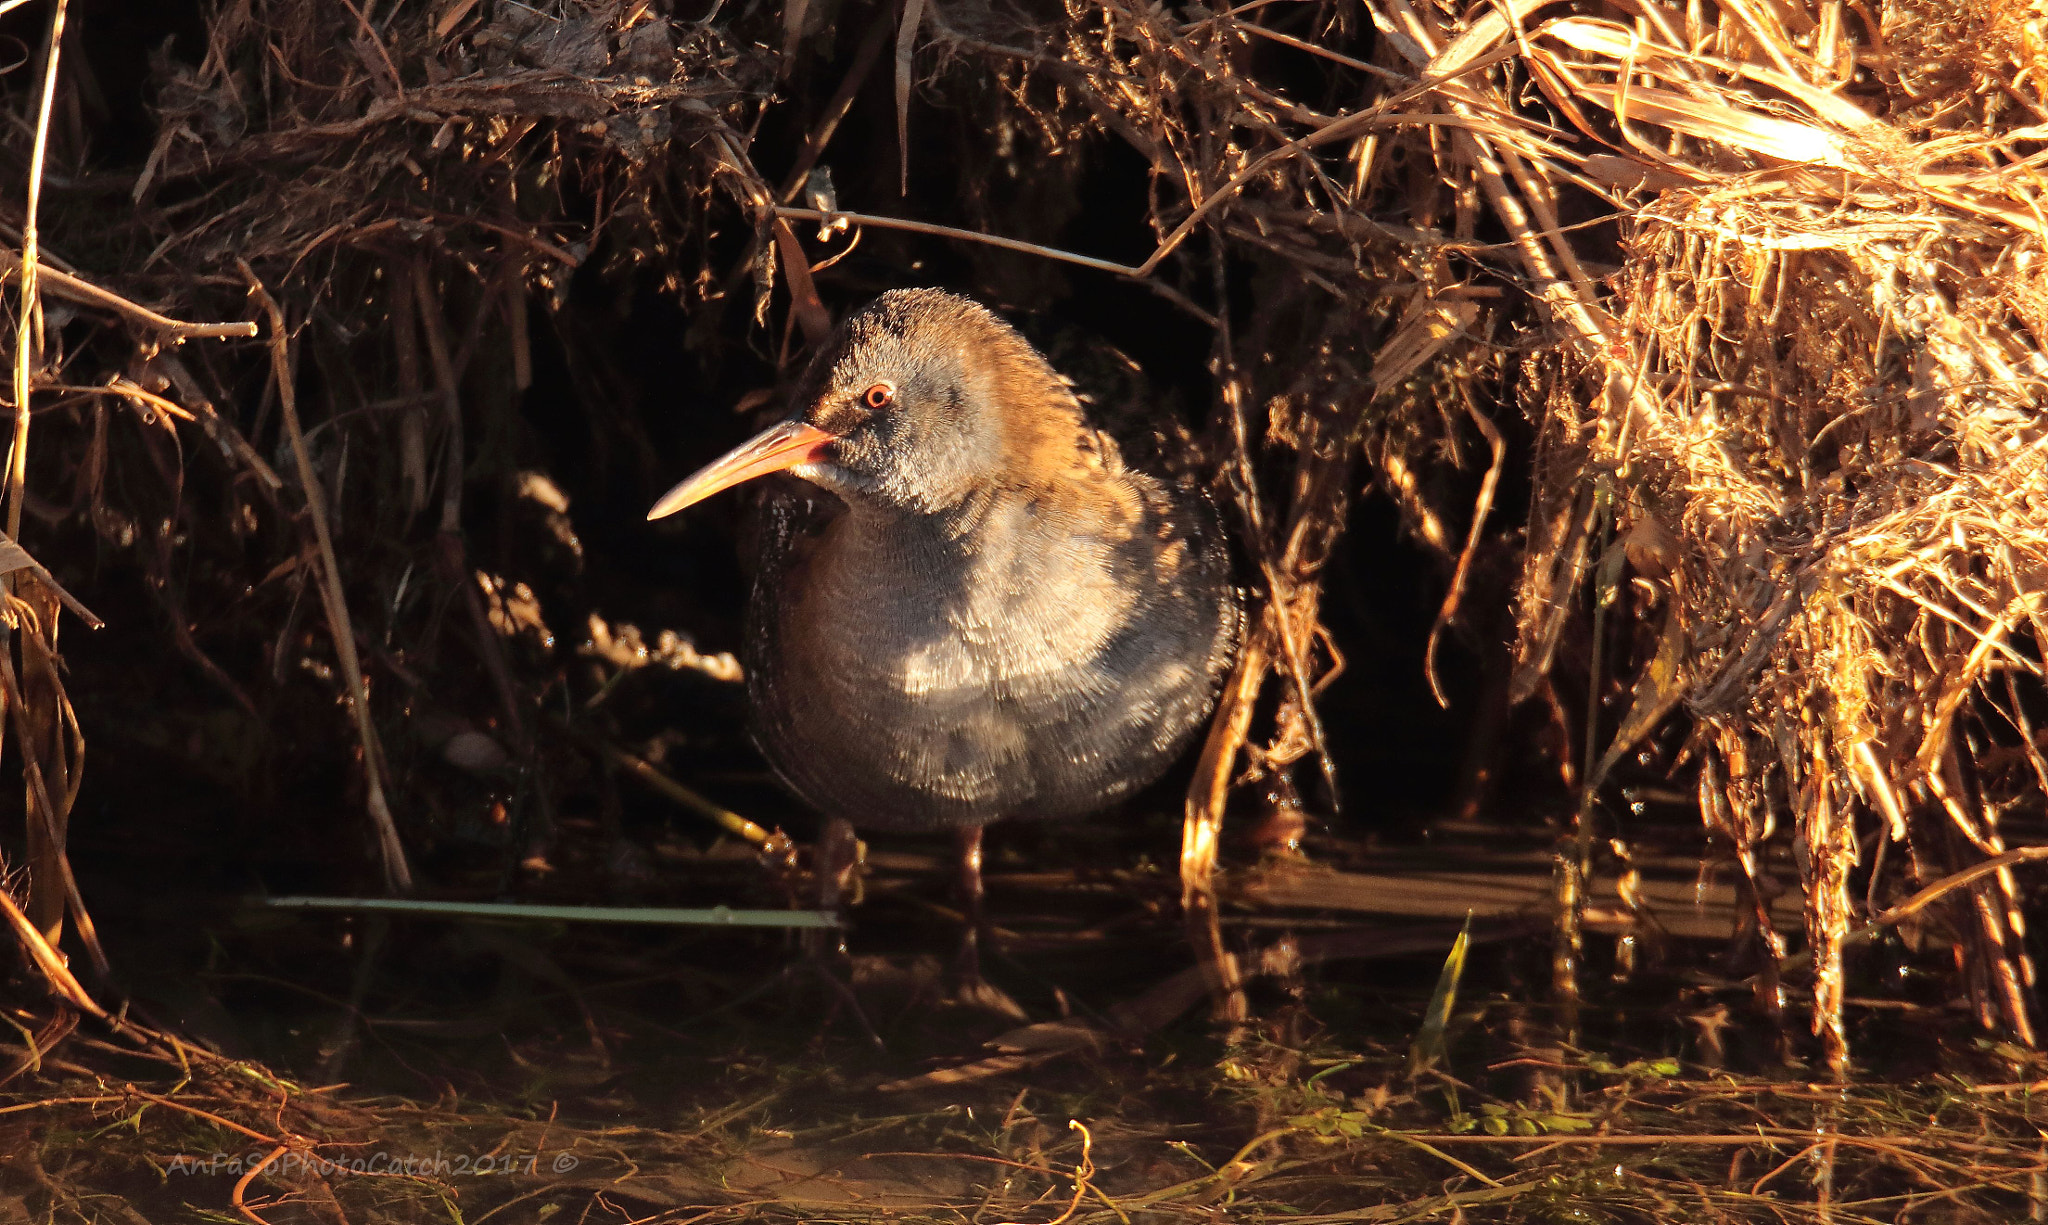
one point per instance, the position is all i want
(1063, 495)
(951, 530)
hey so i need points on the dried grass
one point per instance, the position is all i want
(1330, 1135)
(1806, 410)
(1817, 413)
(1768, 276)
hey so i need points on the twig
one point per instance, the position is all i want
(1141, 273)
(242, 1184)
(563, 256)
(1765, 1137)
(85, 293)
(428, 312)
(906, 41)
(222, 431)
(370, 33)
(1481, 506)
(397, 873)
(1084, 1171)
(46, 861)
(51, 1103)
(805, 304)
(47, 959)
(1381, 115)
(669, 916)
(1421, 1145)
(141, 398)
(947, 231)
(49, 818)
(28, 341)
(864, 57)
(1202, 825)
(731, 821)
(209, 1116)
(1288, 40)
(39, 1045)
(14, 558)
(1928, 896)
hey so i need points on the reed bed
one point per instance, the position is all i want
(1748, 295)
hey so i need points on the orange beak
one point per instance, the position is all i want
(774, 450)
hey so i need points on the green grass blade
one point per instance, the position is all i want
(1428, 1048)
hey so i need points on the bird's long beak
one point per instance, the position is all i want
(773, 450)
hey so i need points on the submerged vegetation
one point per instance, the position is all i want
(1292, 1120)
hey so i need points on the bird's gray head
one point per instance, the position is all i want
(922, 398)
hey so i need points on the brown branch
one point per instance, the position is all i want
(28, 341)
(1481, 506)
(1928, 896)
(864, 57)
(242, 1183)
(397, 873)
(85, 293)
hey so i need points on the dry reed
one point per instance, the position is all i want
(1766, 276)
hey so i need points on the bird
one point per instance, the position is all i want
(983, 598)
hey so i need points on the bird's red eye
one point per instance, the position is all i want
(880, 396)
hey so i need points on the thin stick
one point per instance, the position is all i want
(218, 428)
(242, 1184)
(1299, 44)
(947, 231)
(1202, 827)
(370, 32)
(45, 814)
(1769, 1137)
(45, 842)
(1084, 1171)
(667, 916)
(731, 821)
(47, 959)
(864, 57)
(217, 1120)
(428, 312)
(1481, 507)
(1928, 896)
(15, 559)
(1141, 274)
(48, 1103)
(397, 874)
(1425, 1146)
(144, 401)
(906, 41)
(28, 334)
(75, 289)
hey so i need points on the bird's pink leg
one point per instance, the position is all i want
(974, 920)
(969, 987)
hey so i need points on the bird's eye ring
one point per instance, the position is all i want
(879, 396)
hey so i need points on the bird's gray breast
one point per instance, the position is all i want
(903, 680)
